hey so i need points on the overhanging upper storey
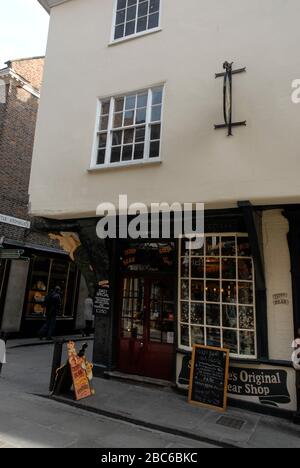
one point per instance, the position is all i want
(48, 4)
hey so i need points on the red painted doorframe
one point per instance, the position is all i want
(139, 354)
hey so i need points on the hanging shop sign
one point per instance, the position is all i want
(22, 223)
(228, 98)
(102, 301)
(209, 377)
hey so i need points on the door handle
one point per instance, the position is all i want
(142, 344)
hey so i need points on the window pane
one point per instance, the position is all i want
(117, 138)
(130, 102)
(229, 292)
(212, 267)
(116, 154)
(155, 132)
(143, 9)
(119, 31)
(156, 114)
(154, 6)
(213, 337)
(118, 120)
(119, 104)
(105, 107)
(243, 247)
(127, 153)
(128, 118)
(197, 313)
(230, 341)
(157, 96)
(101, 157)
(246, 317)
(229, 316)
(213, 246)
(153, 21)
(245, 293)
(184, 317)
(130, 28)
(142, 100)
(197, 266)
(104, 123)
(131, 13)
(213, 315)
(229, 268)
(139, 151)
(247, 343)
(197, 336)
(154, 149)
(140, 134)
(102, 140)
(132, 2)
(228, 247)
(140, 116)
(128, 136)
(185, 338)
(185, 290)
(245, 269)
(142, 24)
(213, 291)
(121, 4)
(197, 290)
(120, 18)
(185, 267)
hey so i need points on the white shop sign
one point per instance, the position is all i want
(22, 223)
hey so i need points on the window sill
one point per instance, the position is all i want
(108, 167)
(134, 36)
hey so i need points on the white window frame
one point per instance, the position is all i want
(136, 34)
(237, 304)
(146, 160)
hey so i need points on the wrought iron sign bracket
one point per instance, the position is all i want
(227, 98)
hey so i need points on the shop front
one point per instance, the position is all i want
(167, 296)
(235, 291)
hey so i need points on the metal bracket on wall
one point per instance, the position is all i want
(227, 97)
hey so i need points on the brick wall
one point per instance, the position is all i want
(17, 129)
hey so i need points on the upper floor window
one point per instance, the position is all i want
(129, 128)
(135, 16)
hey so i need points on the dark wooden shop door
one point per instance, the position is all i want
(146, 339)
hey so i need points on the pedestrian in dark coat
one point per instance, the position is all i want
(52, 303)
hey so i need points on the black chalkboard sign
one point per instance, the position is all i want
(209, 377)
(102, 301)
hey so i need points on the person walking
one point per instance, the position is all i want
(52, 303)
(88, 316)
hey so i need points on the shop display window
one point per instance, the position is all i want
(46, 273)
(217, 295)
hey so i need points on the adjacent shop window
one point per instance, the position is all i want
(129, 128)
(46, 273)
(217, 297)
(135, 17)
